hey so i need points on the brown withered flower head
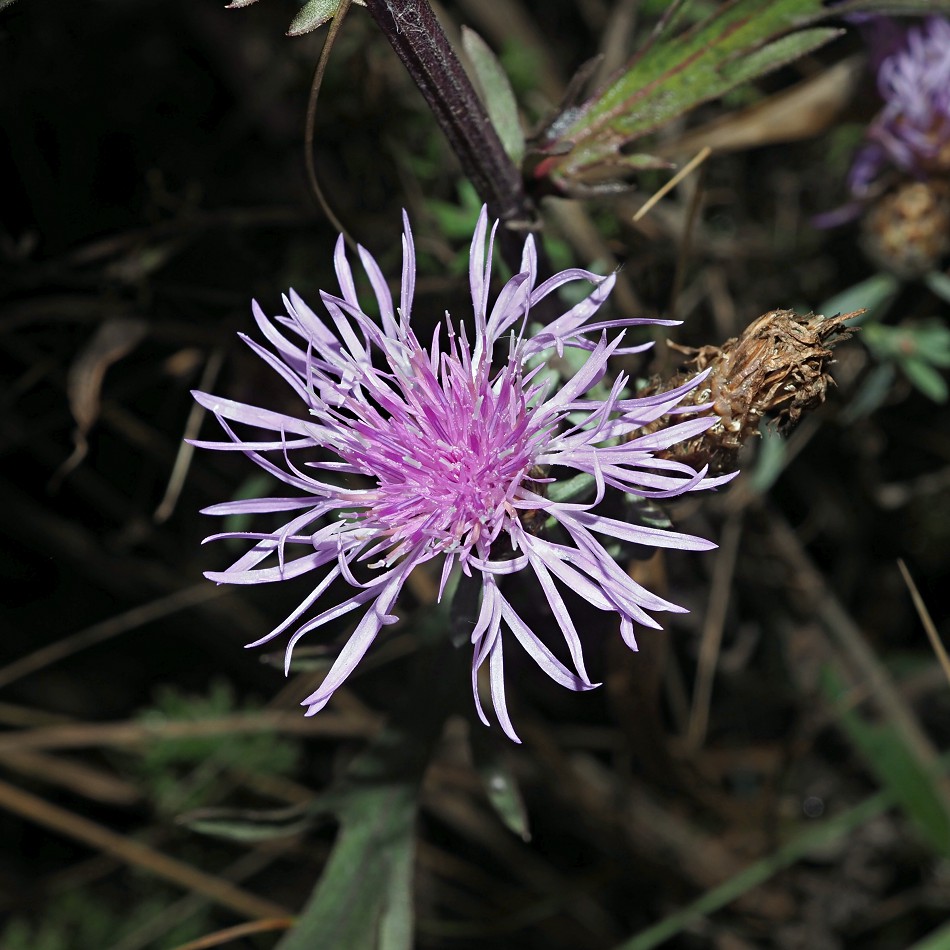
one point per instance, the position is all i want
(776, 368)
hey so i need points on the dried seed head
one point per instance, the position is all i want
(777, 367)
(907, 230)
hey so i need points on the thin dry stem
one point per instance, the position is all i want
(926, 619)
(137, 854)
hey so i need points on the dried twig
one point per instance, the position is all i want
(926, 619)
(136, 853)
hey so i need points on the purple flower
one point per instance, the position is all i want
(410, 453)
(912, 131)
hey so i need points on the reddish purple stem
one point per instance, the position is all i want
(419, 41)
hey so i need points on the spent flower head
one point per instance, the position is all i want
(449, 452)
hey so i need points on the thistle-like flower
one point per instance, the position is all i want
(900, 177)
(912, 132)
(454, 452)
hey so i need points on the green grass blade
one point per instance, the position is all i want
(831, 830)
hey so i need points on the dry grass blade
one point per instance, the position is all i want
(661, 193)
(241, 902)
(803, 111)
(926, 619)
(848, 637)
(79, 778)
(712, 630)
(152, 931)
(186, 450)
(222, 937)
(87, 735)
(107, 629)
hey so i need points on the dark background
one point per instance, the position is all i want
(151, 180)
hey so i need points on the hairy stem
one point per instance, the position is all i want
(421, 44)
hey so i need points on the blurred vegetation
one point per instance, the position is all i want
(765, 772)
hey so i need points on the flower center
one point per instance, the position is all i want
(448, 458)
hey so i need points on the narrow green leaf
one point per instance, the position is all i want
(925, 378)
(249, 825)
(500, 784)
(875, 295)
(917, 348)
(938, 939)
(939, 283)
(778, 54)
(497, 94)
(313, 15)
(771, 460)
(571, 489)
(912, 786)
(871, 394)
(675, 73)
(931, 340)
(758, 873)
(364, 896)
(505, 797)
(680, 69)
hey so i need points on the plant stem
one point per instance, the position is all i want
(419, 41)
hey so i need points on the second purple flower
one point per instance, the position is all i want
(912, 132)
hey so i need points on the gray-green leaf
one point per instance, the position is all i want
(313, 15)
(497, 94)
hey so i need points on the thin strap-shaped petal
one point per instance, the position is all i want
(587, 376)
(408, 287)
(487, 631)
(626, 632)
(264, 548)
(253, 506)
(313, 327)
(529, 260)
(538, 652)
(252, 415)
(268, 575)
(381, 290)
(356, 646)
(276, 446)
(496, 670)
(476, 272)
(300, 610)
(344, 274)
(656, 537)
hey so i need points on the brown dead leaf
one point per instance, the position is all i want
(804, 111)
(114, 339)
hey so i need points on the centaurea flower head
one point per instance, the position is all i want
(912, 132)
(410, 453)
